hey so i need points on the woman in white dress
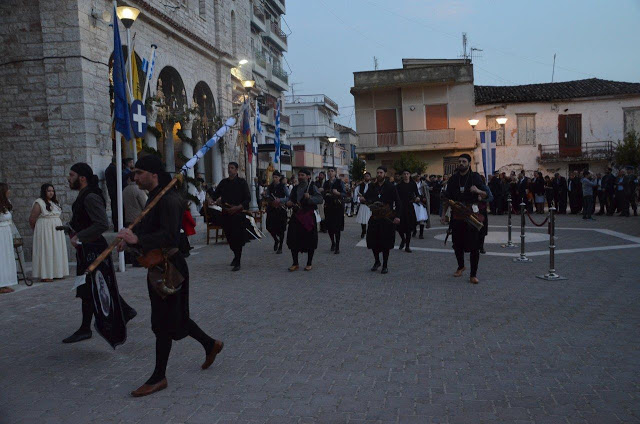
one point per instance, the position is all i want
(50, 259)
(364, 213)
(8, 274)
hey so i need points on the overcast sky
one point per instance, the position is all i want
(331, 39)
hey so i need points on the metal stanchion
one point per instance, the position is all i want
(522, 257)
(509, 242)
(551, 275)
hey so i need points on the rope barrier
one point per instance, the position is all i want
(535, 223)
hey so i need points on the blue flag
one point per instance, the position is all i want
(488, 143)
(121, 105)
(258, 122)
(276, 157)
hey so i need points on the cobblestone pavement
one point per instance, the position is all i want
(341, 344)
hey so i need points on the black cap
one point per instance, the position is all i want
(82, 169)
(150, 163)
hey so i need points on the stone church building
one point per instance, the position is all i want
(55, 86)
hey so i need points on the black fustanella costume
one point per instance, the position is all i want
(160, 229)
(334, 211)
(234, 192)
(302, 235)
(381, 231)
(465, 237)
(277, 216)
(407, 192)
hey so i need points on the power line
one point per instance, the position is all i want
(351, 26)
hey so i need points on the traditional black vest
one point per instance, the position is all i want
(80, 219)
(277, 190)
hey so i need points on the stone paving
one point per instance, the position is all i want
(341, 344)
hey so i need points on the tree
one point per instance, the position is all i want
(627, 152)
(411, 163)
(357, 169)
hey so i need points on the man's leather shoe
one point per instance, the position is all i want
(279, 251)
(408, 249)
(236, 268)
(375, 266)
(474, 280)
(458, 272)
(211, 356)
(385, 270)
(293, 268)
(275, 246)
(147, 389)
(401, 245)
(78, 336)
(308, 268)
(337, 251)
(421, 236)
(234, 262)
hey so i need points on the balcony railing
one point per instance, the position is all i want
(275, 28)
(260, 58)
(259, 13)
(424, 138)
(594, 150)
(306, 159)
(279, 73)
(312, 98)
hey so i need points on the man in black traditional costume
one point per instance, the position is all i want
(333, 192)
(234, 197)
(463, 187)
(88, 222)
(409, 194)
(302, 235)
(277, 195)
(382, 198)
(160, 229)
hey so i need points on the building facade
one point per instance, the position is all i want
(313, 136)
(57, 63)
(421, 109)
(558, 127)
(268, 46)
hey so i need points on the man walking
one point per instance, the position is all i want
(588, 187)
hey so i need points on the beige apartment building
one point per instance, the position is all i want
(421, 109)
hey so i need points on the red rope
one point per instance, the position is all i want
(535, 223)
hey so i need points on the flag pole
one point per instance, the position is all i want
(121, 265)
(147, 77)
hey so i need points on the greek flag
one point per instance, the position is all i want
(121, 104)
(276, 157)
(488, 143)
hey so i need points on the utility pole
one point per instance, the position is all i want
(553, 71)
(464, 46)
(375, 63)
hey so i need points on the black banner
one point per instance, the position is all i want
(109, 319)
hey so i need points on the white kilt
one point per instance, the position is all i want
(364, 213)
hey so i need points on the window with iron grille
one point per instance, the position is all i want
(526, 128)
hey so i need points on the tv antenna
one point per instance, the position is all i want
(293, 90)
(375, 63)
(473, 49)
(464, 46)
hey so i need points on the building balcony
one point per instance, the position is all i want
(277, 36)
(279, 78)
(320, 131)
(279, 6)
(258, 19)
(411, 141)
(596, 150)
(285, 122)
(308, 99)
(302, 159)
(260, 63)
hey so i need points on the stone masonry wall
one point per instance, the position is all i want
(54, 90)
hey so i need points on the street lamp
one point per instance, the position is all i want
(127, 15)
(473, 123)
(333, 140)
(248, 83)
(502, 120)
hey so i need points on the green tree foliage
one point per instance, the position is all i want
(627, 152)
(357, 169)
(410, 162)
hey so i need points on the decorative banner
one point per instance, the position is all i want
(138, 118)
(276, 156)
(109, 320)
(208, 145)
(121, 105)
(488, 143)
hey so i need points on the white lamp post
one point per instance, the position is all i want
(333, 140)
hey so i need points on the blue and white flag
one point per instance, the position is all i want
(121, 105)
(258, 123)
(488, 143)
(276, 157)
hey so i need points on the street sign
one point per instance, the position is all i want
(138, 118)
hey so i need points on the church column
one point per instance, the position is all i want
(152, 116)
(187, 151)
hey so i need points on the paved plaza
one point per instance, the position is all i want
(341, 344)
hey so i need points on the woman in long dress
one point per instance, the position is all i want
(50, 258)
(8, 274)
